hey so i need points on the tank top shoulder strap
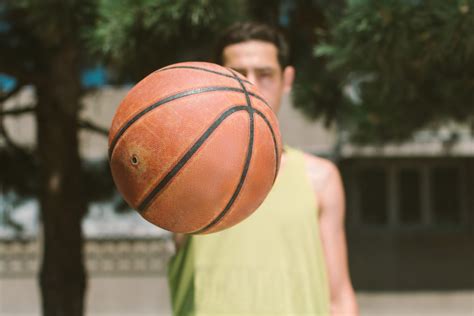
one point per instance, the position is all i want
(294, 174)
(295, 163)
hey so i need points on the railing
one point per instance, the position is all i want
(21, 258)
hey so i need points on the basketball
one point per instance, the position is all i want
(194, 148)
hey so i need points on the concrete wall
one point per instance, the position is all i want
(407, 261)
(426, 255)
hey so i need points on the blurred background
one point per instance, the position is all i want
(384, 88)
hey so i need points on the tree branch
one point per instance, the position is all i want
(18, 111)
(93, 127)
(6, 96)
(3, 131)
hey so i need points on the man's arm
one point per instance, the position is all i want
(179, 240)
(330, 194)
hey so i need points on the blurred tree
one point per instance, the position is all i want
(46, 44)
(408, 64)
(136, 37)
(415, 55)
(40, 47)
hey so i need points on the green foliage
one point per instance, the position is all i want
(52, 22)
(34, 31)
(132, 37)
(317, 90)
(19, 172)
(411, 62)
(137, 37)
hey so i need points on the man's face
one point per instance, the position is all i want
(258, 61)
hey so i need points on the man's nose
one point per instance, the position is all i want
(251, 77)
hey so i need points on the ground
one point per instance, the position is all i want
(148, 295)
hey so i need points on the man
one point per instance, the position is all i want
(289, 257)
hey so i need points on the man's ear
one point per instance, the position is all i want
(288, 78)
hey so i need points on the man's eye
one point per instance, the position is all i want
(265, 74)
(242, 72)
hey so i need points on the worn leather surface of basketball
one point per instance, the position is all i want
(194, 148)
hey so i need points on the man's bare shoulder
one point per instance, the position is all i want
(320, 171)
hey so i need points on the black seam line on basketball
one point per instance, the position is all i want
(243, 87)
(258, 97)
(164, 101)
(233, 76)
(247, 97)
(202, 69)
(169, 176)
(264, 118)
(275, 144)
(243, 176)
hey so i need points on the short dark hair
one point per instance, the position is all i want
(248, 31)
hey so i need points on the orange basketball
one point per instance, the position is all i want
(194, 148)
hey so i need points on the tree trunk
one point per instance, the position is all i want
(62, 276)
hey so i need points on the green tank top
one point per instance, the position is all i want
(269, 264)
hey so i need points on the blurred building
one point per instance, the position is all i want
(410, 206)
(411, 211)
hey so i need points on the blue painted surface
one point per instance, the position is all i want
(90, 78)
(7, 83)
(94, 77)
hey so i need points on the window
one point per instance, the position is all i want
(445, 188)
(409, 194)
(373, 195)
(406, 192)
